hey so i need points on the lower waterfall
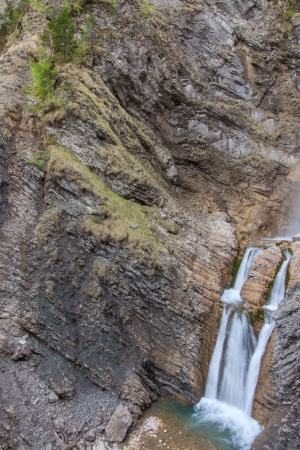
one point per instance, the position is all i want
(234, 368)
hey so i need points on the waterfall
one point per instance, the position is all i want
(237, 341)
(234, 368)
(232, 296)
(246, 264)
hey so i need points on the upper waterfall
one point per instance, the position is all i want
(232, 295)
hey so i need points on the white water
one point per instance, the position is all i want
(232, 296)
(235, 364)
(233, 427)
(215, 363)
(240, 347)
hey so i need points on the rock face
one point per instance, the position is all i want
(256, 289)
(118, 425)
(284, 423)
(266, 398)
(173, 141)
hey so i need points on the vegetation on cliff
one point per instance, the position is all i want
(116, 219)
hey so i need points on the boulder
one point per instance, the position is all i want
(62, 386)
(18, 348)
(52, 397)
(118, 425)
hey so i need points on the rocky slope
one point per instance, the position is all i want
(175, 139)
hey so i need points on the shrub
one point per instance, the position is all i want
(40, 160)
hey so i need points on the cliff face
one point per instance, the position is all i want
(175, 136)
(284, 423)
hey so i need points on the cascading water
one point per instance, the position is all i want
(232, 296)
(234, 369)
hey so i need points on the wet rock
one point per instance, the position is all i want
(118, 425)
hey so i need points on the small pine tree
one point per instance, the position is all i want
(44, 77)
(62, 32)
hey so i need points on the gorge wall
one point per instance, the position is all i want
(174, 141)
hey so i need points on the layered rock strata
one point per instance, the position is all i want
(284, 423)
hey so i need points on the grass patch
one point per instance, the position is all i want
(146, 9)
(169, 226)
(115, 216)
(40, 159)
(290, 12)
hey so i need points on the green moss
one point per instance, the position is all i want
(251, 318)
(236, 265)
(260, 314)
